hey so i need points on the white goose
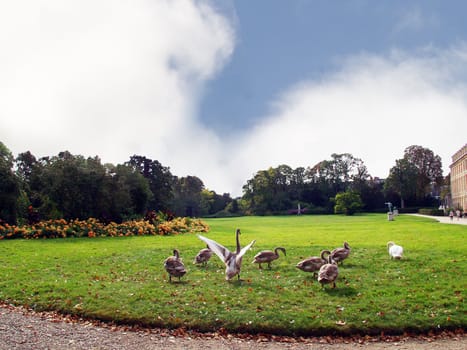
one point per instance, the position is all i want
(395, 251)
(232, 261)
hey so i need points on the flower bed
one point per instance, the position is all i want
(94, 228)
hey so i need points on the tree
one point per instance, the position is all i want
(258, 192)
(270, 190)
(127, 194)
(348, 203)
(211, 202)
(71, 186)
(402, 180)
(339, 172)
(429, 170)
(9, 186)
(187, 196)
(159, 177)
(417, 175)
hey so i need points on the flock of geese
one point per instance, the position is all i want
(324, 267)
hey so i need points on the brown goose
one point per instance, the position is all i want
(314, 263)
(267, 256)
(203, 256)
(328, 273)
(232, 261)
(339, 254)
(174, 265)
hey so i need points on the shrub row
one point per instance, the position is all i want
(94, 228)
(431, 211)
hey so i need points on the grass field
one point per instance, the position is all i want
(123, 279)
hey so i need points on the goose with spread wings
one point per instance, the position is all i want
(232, 260)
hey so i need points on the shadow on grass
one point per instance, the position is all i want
(178, 282)
(340, 291)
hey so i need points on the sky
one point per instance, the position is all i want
(221, 89)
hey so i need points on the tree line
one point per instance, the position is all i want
(74, 187)
(343, 184)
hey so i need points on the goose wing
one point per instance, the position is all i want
(222, 252)
(242, 252)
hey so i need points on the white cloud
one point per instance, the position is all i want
(109, 78)
(373, 108)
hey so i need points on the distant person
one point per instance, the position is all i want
(458, 214)
(451, 214)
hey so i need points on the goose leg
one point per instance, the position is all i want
(269, 265)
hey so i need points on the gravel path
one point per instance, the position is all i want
(25, 329)
(444, 219)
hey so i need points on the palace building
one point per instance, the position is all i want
(459, 179)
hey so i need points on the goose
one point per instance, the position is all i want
(313, 264)
(267, 256)
(328, 272)
(339, 254)
(174, 265)
(232, 261)
(395, 251)
(203, 256)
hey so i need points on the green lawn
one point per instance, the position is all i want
(123, 279)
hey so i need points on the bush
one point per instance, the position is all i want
(94, 228)
(431, 211)
(409, 210)
(347, 203)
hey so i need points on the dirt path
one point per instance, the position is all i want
(24, 329)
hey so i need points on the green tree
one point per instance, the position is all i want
(71, 186)
(9, 186)
(160, 180)
(211, 202)
(347, 203)
(128, 193)
(269, 190)
(402, 180)
(429, 170)
(339, 172)
(187, 196)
